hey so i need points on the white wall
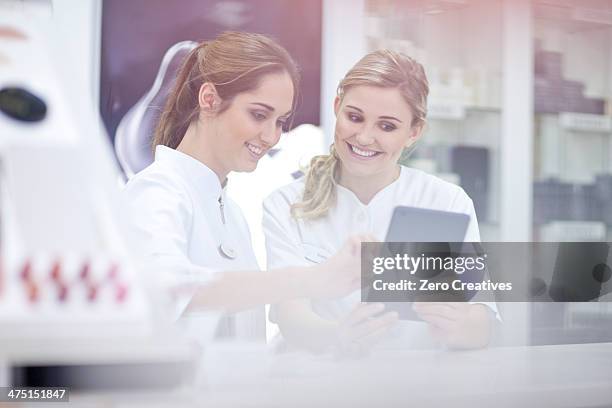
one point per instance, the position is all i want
(343, 43)
(76, 41)
(517, 122)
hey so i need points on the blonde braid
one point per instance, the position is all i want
(320, 187)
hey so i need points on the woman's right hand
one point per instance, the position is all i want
(341, 273)
(363, 327)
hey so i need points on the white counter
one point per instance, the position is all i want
(243, 376)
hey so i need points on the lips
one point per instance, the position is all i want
(363, 153)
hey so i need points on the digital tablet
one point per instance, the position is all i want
(412, 224)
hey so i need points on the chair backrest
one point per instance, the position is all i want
(135, 131)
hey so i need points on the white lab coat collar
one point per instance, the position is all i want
(197, 173)
(389, 189)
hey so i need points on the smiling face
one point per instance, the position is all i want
(240, 135)
(373, 126)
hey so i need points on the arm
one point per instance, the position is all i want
(364, 326)
(464, 325)
(302, 327)
(237, 290)
(466, 205)
(298, 322)
(159, 221)
(458, 325)
(234, 291)
(157, 218)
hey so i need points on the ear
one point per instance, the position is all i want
(337, 102)
(415, 134)
(208, 98)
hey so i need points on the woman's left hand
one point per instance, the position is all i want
(458, 325)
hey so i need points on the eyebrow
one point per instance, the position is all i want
(269, 108)
(380, 117)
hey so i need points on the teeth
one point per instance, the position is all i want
(254, 149)
(364, 153)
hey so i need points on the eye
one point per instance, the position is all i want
(353, 117)
(387, 126)
(258, 116)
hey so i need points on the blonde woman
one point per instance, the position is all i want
(230, 101)
(380, 111)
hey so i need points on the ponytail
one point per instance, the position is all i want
(320, 187)
(180, 108)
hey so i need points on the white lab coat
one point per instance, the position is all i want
(298, 242)
(174, 217)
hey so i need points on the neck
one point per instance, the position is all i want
(366, 187)
(201, 149)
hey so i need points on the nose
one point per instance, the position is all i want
(363, 137)
(271, 135)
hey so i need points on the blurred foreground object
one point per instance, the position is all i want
(73, 309)
(65, 262)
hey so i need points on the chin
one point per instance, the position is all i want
(360, 169)
(247, 167)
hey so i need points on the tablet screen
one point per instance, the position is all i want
(414, 225)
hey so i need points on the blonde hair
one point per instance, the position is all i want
(234, 63)
(382, 68)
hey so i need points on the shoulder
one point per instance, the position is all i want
(157, 181)
(286, 195)
(419, 180)
(433, 190)
(157, 174)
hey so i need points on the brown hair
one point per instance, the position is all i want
(234, 62)
(382, 68)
